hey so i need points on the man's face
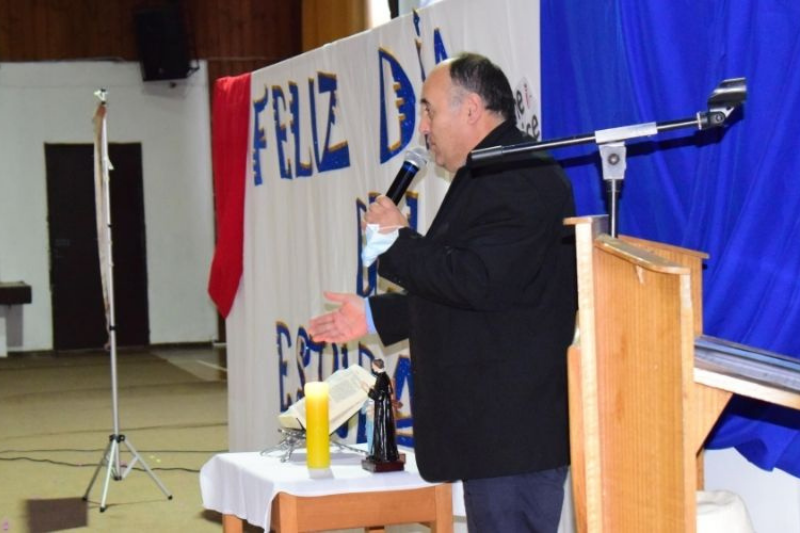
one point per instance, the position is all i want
(442, 120)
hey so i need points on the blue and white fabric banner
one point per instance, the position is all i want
(328, 131)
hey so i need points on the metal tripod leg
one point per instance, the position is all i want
(111, 460)
(137, 457)
(111, 451)
(103, 461)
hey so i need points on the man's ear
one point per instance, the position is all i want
(474, 107)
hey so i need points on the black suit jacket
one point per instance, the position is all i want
(489, 310)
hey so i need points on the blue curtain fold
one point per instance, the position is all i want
(732, 192)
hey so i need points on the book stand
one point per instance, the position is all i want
(295, 439)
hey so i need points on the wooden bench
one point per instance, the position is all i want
(11, 293)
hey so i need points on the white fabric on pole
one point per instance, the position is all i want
(101, 178)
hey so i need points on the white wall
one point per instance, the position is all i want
(54, 103)
(772, 498)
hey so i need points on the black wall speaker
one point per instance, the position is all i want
(161, 39)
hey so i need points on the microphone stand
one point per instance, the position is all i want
(725, 98)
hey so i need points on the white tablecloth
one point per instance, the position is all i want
(244, 484)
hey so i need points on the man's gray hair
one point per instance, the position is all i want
(477, 74)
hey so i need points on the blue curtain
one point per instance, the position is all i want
(732, 192)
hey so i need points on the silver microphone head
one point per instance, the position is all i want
(418, 156)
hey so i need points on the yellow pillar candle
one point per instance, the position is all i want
(318, 449)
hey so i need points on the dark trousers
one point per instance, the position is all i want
(522, 503)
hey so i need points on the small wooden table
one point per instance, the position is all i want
(430, 506)
(262, 490)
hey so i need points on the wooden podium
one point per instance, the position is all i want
(639, 409)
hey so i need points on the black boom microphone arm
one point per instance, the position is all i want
(725, 98)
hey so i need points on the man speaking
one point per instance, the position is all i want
(488, 308)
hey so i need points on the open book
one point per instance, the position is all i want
(348, 392)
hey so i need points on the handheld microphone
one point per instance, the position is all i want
(416, 158)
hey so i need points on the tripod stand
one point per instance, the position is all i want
(111, 455)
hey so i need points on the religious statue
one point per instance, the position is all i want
(383, 455)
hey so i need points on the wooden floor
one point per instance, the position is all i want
(55, 420)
